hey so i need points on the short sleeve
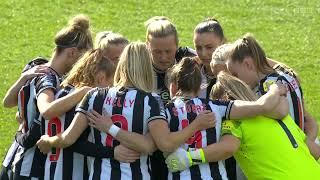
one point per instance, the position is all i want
(157, 110)
(84, 105)
(232, 127)
(48, 81)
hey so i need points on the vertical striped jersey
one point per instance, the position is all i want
(180, 112)
(29, 160)
(63, 164)
(294, 94)
(157, 159)
(131, 110)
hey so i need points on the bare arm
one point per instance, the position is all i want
(272, 104)
(279, 111)
(168, 141)
(44, 100)
(224, 149)
(11, 97)
(67, 138)
(310, 126)
(50, 109)
(137, 142)
(313, 148)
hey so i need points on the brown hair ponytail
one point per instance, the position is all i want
(76, 34)
(249, 47)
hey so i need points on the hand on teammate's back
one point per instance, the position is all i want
(43, 144)
(273, 97)
(279, 88)
(98, 121)
(124, 154)
(35, 71)
(205, 119)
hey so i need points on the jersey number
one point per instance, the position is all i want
(196, 139)
(121, 122)
(54, 128)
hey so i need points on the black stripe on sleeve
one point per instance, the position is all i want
(84, 104)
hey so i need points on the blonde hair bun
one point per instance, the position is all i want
(80, 22)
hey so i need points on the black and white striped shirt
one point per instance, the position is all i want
(29, 160)
(70, 163)
(7, 162)
(294, 94)
(63, 164)
(157, 159)
(180, 113)
(131, 110)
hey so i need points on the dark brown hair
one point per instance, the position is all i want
(249, 47)
(76, 34)
(186, 75)
(210, 25)
(85, 71)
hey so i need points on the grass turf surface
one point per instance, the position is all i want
(287, 30)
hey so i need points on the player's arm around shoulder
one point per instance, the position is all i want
(272, 104)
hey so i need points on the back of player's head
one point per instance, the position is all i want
(135, 68)
(85, 71)
(220, 57)
(76, 34)
(159, 27)
(221, 54)
(210, 25)
(249, 47)
(186, 75)
(106, 38)
(230, 87)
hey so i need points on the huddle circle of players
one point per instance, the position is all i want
(154, 110)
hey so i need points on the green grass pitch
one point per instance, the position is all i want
(287, 30)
